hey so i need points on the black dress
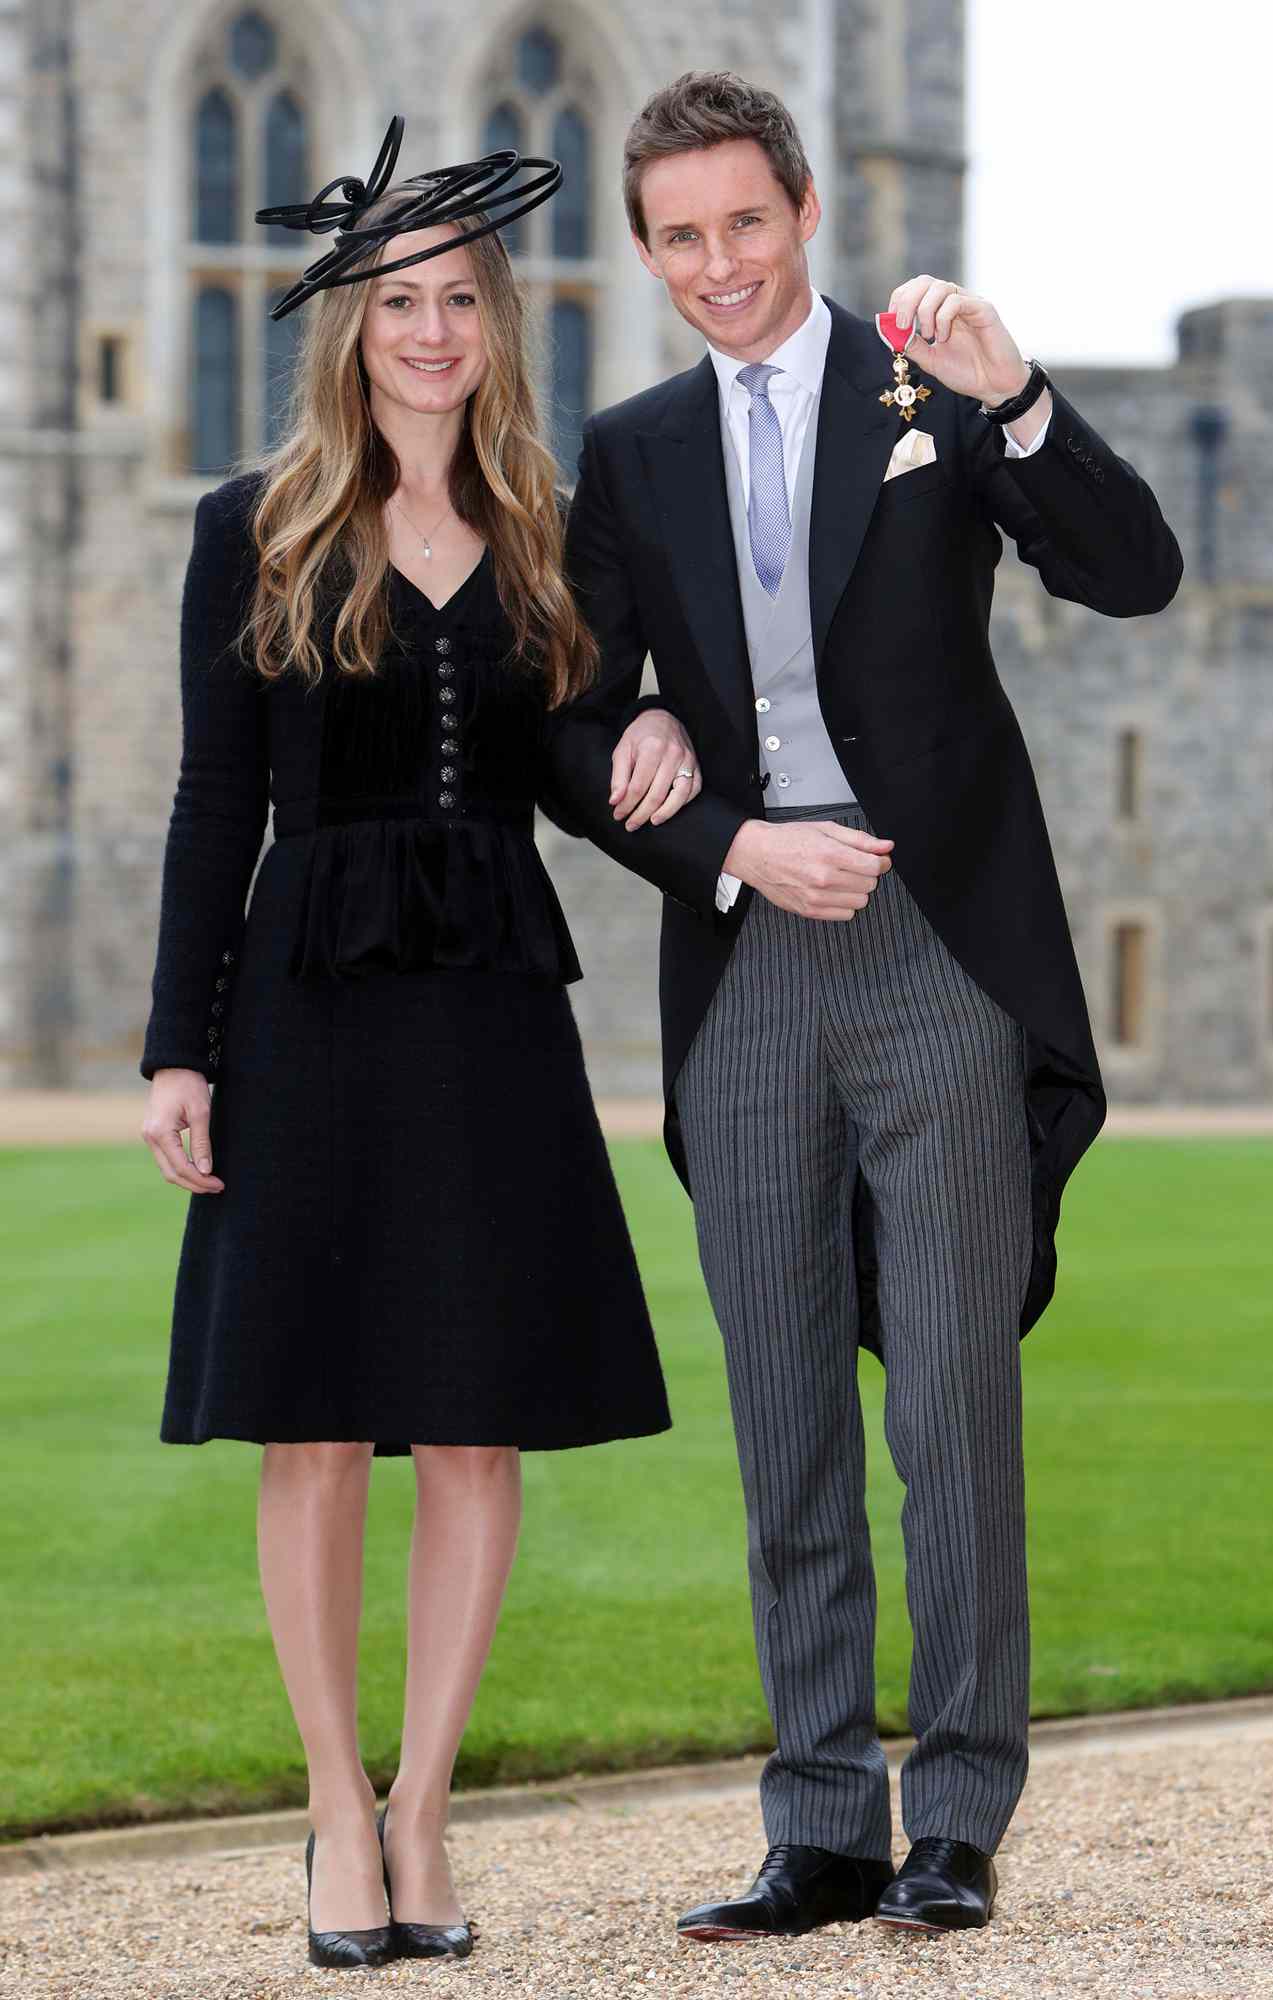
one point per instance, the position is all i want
(420, 1240)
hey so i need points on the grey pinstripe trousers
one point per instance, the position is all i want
(832, 1050)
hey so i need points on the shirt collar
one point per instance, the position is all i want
(803, 355)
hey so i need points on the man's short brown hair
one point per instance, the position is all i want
(705, 107)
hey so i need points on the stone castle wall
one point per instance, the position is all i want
(95, 515)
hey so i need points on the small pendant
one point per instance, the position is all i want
(427, 548)
(904, 393)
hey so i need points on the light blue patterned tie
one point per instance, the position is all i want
(768, 515)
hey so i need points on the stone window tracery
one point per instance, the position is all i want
(249, 146)
(537, 97)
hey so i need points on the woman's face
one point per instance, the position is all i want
(421, 334)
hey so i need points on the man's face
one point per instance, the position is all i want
(729, 245)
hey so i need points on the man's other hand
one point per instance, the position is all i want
(813, 867)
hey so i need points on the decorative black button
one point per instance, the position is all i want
(448, 774)
(450, 748)
(227, 958)
(222, 984)
(1073, 444)
(446, 672)
(446, 695)
(218, 1006)
(446, 800)
(214, 1034)
(214, 1057)
(442, 645)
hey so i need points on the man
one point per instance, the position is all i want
(878, 1062)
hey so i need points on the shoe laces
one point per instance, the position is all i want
(933, 1852)
(775, 1860)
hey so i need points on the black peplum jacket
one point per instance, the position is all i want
(415, 793)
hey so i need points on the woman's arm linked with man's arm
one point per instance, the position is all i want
(681, 852)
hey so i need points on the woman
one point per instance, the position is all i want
(407, 1236)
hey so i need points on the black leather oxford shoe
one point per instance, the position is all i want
(943, 1885)
(797, 1889)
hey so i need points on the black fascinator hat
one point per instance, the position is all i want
(442, 196)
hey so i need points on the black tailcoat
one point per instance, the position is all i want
(901, 579)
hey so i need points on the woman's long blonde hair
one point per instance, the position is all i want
(319, 523)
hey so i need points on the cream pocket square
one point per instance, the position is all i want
(916, 448)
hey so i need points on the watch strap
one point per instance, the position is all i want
(1016, 406)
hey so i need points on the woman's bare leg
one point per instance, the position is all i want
(313, 1508)
(468, 1511)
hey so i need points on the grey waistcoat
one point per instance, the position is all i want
(804, 770)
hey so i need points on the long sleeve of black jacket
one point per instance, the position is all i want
(684, 856)
(1079, 514)
(222, 799)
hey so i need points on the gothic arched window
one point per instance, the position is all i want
(215, 443)
(572, 208)
(571, 330)
(286, 161)
(248, 148)
(216, 170)
(504, 132)
(538, 97)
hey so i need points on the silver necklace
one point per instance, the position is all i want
(425, 541)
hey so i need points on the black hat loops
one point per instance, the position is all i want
(444, 196)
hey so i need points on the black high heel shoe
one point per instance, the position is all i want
(422, 1940)
(345, 1948)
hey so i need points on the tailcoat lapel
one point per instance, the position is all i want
(856, 435)
(686, 466)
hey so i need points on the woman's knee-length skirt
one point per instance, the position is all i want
(420, 1240)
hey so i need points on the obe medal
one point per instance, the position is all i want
(904, 393)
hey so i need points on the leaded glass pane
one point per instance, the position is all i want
(253, 46)
(216, 170)
(538, 60)
(214, 429)
(504, 132)
(282, 343)
(286, 172)
(571, 210)
(570, 326)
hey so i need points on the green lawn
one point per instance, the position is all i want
(138, 1676)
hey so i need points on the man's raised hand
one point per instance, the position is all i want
(962, 343)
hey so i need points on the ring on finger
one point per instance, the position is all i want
(683, 773)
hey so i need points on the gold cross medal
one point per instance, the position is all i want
(904, 393)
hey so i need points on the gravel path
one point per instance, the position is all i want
(1138, 1872)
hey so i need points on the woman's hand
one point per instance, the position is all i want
(180, 1099)
(654, 772)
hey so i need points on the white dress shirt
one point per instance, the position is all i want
(802, 360)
